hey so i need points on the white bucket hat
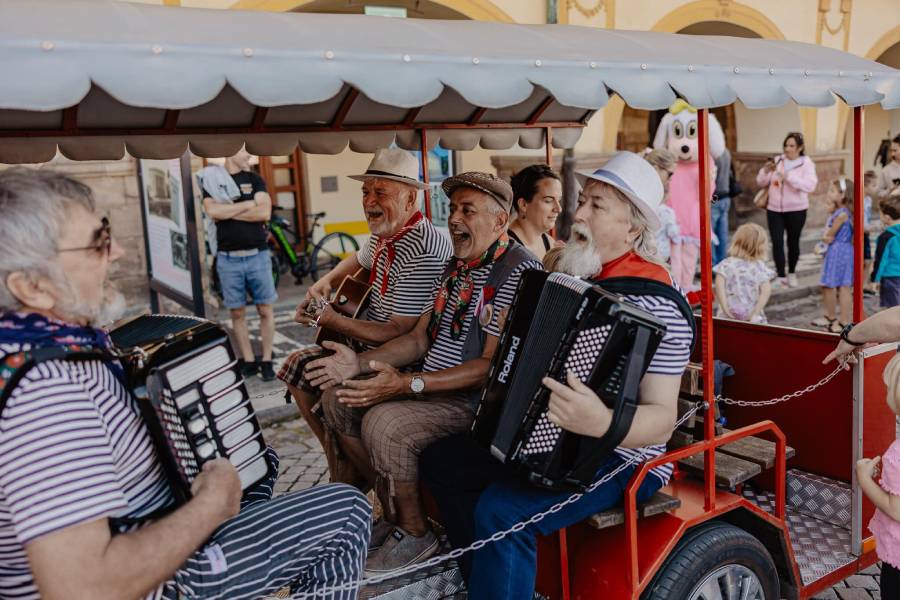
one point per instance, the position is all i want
(394, 164)
(634, 177)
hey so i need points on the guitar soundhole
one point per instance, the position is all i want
(342, 300)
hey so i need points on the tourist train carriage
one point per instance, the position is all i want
(102, 78)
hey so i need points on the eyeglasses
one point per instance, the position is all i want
(104, 239)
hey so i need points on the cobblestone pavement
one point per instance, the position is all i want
(303, 465)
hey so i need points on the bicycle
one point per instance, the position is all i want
(311, 259)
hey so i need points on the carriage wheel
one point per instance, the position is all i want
(716, 561)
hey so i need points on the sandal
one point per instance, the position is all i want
(823, 321)
(835, 326)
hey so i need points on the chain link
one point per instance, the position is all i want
(808, 389)
(478, 544)
(279, 392)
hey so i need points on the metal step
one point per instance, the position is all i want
(819, 497)
(441, 581)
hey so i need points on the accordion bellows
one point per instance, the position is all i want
(560, 323)
(192, 397)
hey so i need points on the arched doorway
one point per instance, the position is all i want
(880, 124)
(479, 10)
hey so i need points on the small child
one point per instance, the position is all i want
(669, 233)
(870, 183)
(837, 270)
(743, 280)
(886, 271)
(885, 524)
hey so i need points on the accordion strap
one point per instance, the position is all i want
(14, 366)
(640, 286)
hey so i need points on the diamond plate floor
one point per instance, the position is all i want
(819, 547)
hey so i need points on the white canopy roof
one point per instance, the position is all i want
(99, 77)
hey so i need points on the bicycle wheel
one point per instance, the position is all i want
(276, 269)
(331, 250)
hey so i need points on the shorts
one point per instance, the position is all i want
(889, 290)
(239, 276)
(291, 371)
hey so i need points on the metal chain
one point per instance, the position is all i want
(478, 544)
(269, 394)
(786, 397)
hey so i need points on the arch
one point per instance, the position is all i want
(691, 14)
(884, 43)
(477, 10)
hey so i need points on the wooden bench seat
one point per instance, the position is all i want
(657, 504)
(756, 450)
(730, 470)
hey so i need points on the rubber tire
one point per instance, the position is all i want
(345, 239)
(705, 549)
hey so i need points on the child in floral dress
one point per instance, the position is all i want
(837, 270)
(743, 280)
(885, 524)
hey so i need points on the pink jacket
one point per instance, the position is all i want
(792, 191)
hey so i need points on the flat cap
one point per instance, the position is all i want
(492, 185)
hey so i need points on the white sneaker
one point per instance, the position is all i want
(779, 283)
(792, 280)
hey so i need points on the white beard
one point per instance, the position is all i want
(74, 309)
(580, 258)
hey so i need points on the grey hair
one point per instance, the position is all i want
(35, 205)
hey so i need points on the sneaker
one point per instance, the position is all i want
(249, 369)
(380, 532)
(792, 280)
(779, 283)
(267, 371)
(400, 550)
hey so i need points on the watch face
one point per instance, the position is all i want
(417, 385)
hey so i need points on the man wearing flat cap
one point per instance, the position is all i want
(404, 255)
(387, 419)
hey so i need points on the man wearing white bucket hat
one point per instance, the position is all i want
(404, 255)
(612, 244)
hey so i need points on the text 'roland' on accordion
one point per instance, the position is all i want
(560, 323)
(192, 397)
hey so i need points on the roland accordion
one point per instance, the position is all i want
(186, 380)
(560, 323)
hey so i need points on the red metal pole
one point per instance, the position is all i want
(859, 310)
(548, 145)
(706, 304)
(423, 155)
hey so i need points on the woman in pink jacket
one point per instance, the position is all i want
(790, 177)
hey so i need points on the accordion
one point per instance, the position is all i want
(560, 323)
(185, 378)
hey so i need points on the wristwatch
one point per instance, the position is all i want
(417, 384)
(845, 335)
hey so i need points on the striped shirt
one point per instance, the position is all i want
(446, 352)
(670, 358)
(420, 258)
(73, 449)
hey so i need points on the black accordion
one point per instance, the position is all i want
(185, 378)
(559, 323)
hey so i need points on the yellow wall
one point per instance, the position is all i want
(342, 206)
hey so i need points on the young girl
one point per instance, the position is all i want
(743, 280)
(885, 524)
(837, 270)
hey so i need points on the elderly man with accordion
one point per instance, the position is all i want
(582, 388)
(131, 463)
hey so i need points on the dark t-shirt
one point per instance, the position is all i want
(232, 234)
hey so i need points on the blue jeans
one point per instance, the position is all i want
(718, 217)
(478, 496)
(240, 275)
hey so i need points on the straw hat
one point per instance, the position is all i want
(394, 164)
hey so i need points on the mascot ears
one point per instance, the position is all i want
(661, 139)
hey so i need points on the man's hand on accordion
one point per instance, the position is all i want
(335, 369)
(388, 383)
(219, 487)
(576, 408)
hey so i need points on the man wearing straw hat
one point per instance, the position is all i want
(385, 421)
(404, 255)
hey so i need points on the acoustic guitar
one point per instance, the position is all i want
(350, 300)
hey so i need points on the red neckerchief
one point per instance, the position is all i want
(462, 271)
(388, 243)
(632, 265)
